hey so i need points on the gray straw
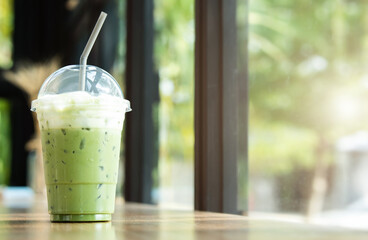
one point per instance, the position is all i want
(87, 50)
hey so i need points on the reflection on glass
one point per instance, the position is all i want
(5, 141)
(81, 231)
(308, 91)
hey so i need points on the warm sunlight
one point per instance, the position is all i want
(346, 107)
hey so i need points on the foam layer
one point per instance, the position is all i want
(80, 109)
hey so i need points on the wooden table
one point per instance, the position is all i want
(136, 221)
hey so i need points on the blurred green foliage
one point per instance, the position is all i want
(174, 58)
(6, 28)
(5, 141)
(307, 79)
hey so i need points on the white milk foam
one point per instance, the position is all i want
(80, 110)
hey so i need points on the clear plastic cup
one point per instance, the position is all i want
(81, 135)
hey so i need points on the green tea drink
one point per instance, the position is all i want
(81, 136)
(67, 154)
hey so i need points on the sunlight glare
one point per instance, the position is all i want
(346, 107)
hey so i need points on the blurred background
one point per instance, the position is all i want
(308, 91)
(307, 110)
(38, 37)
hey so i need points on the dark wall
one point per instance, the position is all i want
(44, 29)
(39, 29)
(21, 130)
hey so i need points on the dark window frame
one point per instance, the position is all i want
(217, 95)
(221, 105)
(141, 152)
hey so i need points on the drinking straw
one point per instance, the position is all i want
(87, 50)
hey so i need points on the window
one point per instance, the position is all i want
(174, 60)
(6, 27)
(307, 114)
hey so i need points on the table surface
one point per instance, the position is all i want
(137, 221)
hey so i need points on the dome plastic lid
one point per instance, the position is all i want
(66, 80)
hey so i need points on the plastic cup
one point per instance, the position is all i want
(81, 135)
